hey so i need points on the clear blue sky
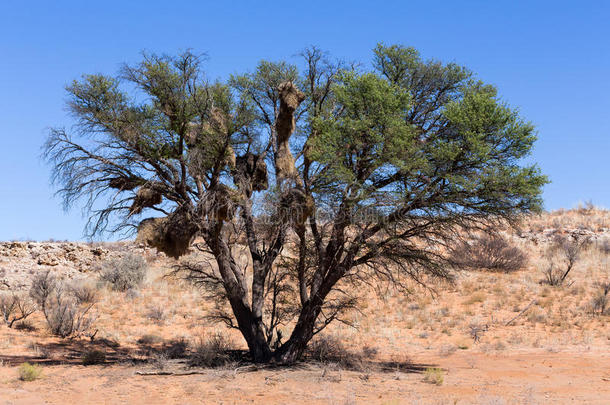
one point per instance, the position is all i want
(549, 58)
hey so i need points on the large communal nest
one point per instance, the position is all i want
(219, 203)
(172, 235)
(124, 183)
(290, 98)
(295, 207)
(250, 173)
(145, 197)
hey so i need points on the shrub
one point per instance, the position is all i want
(566, 251)
(29, 372)
(434, 375)
(84, 293)
(488, 251)
(15, 307)
(369, 352)
(156, 314)
(600, 301)
(125, 273)
(176, 349)
(150, 340)
(447, 350)
(477, 330)
(67, 319)
(64, 312)
(211, 352)
(43, 286)
(328, 349)
(92, 357)
(26, 326)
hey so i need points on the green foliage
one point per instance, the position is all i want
(434, 375)
(417, 129)
(29, 372)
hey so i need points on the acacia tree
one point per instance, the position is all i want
(336, 174)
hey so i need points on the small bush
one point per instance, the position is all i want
(29, 372)
(434, 375)
(92, 357)
(15, 307)
(536, 315)
(150, 340)
(64, 311)
(25, 326)
(84, 293)
(176, 349)
(563, 254)
(369, 352)
(491, 252)
(477, 330)
(125, 273)
(600, 302)
(43, 286)
(328, 349)
(159, 360)
(67, 319)
(447, 350)
(211, 352)
(156, 314)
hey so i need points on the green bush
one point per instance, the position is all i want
(29, 372)
(434, 375)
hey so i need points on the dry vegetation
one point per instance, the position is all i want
(505, 331)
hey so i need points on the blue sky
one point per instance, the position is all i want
(549, 59)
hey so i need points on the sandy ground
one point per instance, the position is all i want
(515, 378)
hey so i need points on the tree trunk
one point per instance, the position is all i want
(252, 331)
(293, 349)
(250, 325)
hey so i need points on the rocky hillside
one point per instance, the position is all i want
(19, 260)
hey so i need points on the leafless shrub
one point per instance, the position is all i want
(599, 304)
(563, 254)
(211, 352)
(156, 314)
(476, 331)
(26, 326)
(92, 357)
(150, 340)
(124, 274)
(43, 286)
(369, 352)
(15, 307)
(160, 360)
(176, 349)
(66, 316)
(84, 293)
(67, 319)
(488, 251)
(328, 349)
